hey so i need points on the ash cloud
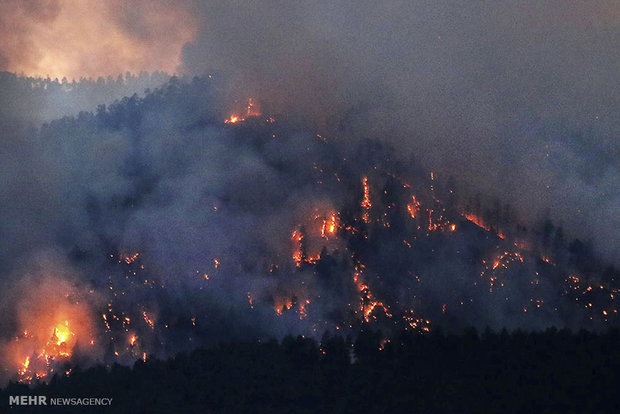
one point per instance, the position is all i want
(515, 100)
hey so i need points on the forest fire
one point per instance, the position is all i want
(327, 207)
(367, 302)
(148, 320)
(329, 226)
(414, 207)
(42, 358)
(130, 257)
(282, 305)
(318, 232)
(478, 222)
(500, 263)
(250, 111)
(329, 255)
(52, 321)
(366, 204)
(297, 238)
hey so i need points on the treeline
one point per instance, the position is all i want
(34, 99)
(546, 238)
(550, 371)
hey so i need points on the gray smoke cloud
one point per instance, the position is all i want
(513, 99)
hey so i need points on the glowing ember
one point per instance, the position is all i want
(366, 204)
(297, 237)
(281, 305)
(329, 226)
(366, 200)
(367, 302)
(500, 263)
(478, 222)
(105, 320)
(148, 321)
(129, 258)
(302, 310)
(414, 207)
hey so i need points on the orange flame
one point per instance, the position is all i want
(414, 207)
(478, 222)
(251, 110)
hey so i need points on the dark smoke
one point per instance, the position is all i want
(516, 100)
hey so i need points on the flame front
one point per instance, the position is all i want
(366, 204)
(251, 111)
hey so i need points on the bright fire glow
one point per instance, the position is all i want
(366, 204)
(414, 207)
(251, 110)
(478, 222)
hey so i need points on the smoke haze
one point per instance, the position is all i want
(155, 226)
(514, 99)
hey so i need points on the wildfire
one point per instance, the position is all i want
(439, 222)
(58, 346)
(60, 334)
(22, 371)
(281, 305)
(148, 321)
(251, 110)
(367, 302)
(414, 207)
(546, 259)
(366, 204)
(417, 323)
(105, 321)
(500, 262)
(478, 222)
(366, 200)
(297, 237)
(51, 321)
(129, 258)
(329, 226)
(302, 309)
(233, 119)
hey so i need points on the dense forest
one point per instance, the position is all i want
(184, 231)
(32, 100)
(550, 371)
